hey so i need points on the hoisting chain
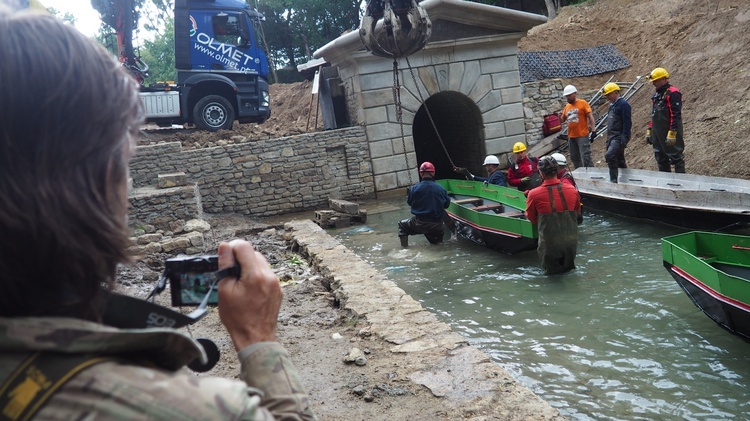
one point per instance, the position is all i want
(399, 115)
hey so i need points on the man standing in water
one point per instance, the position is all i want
(428, 201)
(554, 207)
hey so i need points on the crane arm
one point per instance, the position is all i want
(122, 17)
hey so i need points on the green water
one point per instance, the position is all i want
(616, 339)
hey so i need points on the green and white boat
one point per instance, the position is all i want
(490, 215)
(714, 271)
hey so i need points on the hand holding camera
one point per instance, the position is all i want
(248, 305)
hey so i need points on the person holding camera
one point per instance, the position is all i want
(70, 116)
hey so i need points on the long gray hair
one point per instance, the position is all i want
(69, 114)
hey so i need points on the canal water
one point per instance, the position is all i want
(616, 339)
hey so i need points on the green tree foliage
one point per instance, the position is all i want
(294, 29)
(159, 54)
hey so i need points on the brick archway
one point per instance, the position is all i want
(459, 122)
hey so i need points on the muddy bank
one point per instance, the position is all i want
(364, 348)
(409, 349)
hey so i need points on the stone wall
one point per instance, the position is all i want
(539, 99)
(483, 70)
(260, 178)
(164, 209)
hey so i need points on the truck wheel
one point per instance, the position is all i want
(213, 113)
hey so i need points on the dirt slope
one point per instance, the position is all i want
(291, 113)
(704, 46)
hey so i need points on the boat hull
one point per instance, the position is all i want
(505, 242)
(714, 271)
(490, 215)
(722, 310)
(683, 200)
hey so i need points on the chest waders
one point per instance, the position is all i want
(558, 236)
(664, 154)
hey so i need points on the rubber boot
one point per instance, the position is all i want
(404, 240)
(667, 168)
(679, 167)
(613, 172)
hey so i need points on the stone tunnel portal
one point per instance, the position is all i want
(459, 121)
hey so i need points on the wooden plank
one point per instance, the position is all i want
(476, 201)
(494, 206)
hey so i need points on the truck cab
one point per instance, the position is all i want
(222, 73)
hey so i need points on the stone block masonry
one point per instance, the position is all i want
(541, 98)
(162, 208)
(266, 177)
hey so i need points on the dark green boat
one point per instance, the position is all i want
(714, 271)
(490, 215)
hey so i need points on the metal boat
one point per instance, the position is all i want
(714, 270)
(490, 215)
(683, 200)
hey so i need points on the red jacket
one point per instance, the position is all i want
(520, 170)
(538, 203)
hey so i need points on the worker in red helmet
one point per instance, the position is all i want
(428, 201)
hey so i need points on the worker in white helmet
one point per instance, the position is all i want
(581, 127)
(494, 175)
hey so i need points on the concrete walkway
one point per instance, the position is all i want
(443, 361)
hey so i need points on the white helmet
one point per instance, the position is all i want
(570, 89)
(491, 160)
(560, 159)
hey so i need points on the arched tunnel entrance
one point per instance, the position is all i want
(459, 122)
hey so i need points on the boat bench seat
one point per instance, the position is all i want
(476, 201)
(493, 207)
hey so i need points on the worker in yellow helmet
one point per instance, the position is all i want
(523, 173)
(618, 129)
(665, 129)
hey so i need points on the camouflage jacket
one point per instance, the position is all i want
(156, 387)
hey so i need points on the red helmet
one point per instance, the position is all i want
(427, 167)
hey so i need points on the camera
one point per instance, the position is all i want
(192, 278)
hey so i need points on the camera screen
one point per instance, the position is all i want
(194, 286)
(190, 277)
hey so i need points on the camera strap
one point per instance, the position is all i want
(127, 312)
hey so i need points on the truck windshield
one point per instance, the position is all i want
(229, 29)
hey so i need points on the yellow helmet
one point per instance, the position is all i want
(519, 147)
(609, 88)
(658, 73)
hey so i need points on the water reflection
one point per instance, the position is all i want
(616, 339)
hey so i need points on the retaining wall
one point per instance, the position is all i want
(539, 99)
(260, 178)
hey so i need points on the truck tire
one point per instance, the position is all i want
(213, 113)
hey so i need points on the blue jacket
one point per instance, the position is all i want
(496, 177)
(428, 200)
(619, 121)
